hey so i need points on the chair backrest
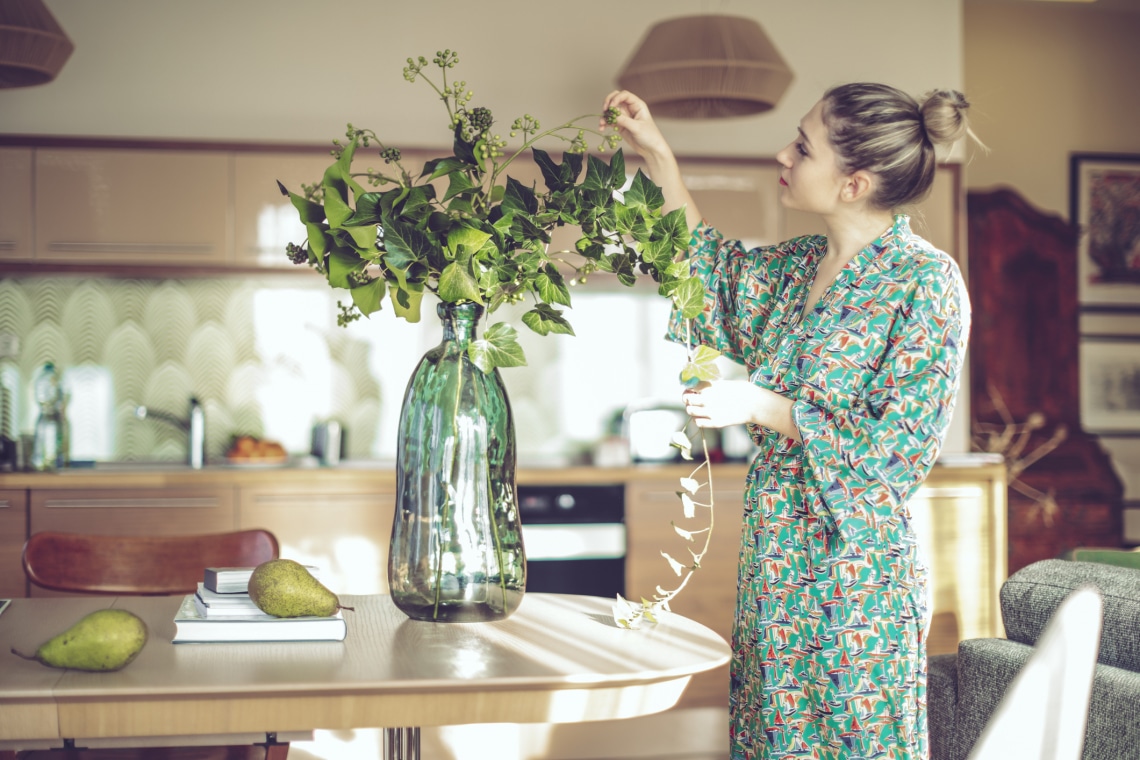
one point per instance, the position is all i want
(139, 565)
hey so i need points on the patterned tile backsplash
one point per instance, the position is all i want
(265, 357)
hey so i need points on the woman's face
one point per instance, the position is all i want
(810, 179)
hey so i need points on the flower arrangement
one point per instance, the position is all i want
(485, 237)
(463, 229)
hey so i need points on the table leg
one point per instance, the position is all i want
(401, 744)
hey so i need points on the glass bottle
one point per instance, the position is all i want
(456, 553)
(50, 436)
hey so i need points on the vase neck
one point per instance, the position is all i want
(459, 321)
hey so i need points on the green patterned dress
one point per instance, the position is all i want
(829, 650)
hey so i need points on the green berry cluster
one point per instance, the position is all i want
(445, 59)
(348, 314)
(390, 155)
(298, 254)
(414, 67)
(480, 119)
(611, 115)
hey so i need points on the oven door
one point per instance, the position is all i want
(575, 538)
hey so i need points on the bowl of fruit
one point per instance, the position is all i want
(251, 451)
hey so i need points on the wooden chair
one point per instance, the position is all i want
(139, 565)
(144, 566)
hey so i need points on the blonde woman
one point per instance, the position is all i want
(854, 341)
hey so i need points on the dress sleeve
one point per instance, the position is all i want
(740, 292)
(867, 453)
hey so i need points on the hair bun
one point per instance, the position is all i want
(944, 116)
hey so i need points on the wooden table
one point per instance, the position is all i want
(558, 659)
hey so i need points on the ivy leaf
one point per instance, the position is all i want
(689, 297)
(681, 442)
(551, 286)
(678, 568)
(617, 169)
(701, 367)
(498, 347)
(369, 297)
(642, 193)
(405, 244)
(466, 236)
(342, 263)
(690, 484)
(598, 175)
(438, 167)
(456, 283)
(545, 319)
(688, 506)
(337, 209)
(308, 211)
(685, 534)
(406, 300)
(519, 197)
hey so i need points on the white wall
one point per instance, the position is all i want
(284, 70)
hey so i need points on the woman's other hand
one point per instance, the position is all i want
(722, 403)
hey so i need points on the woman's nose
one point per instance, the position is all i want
(784, 157)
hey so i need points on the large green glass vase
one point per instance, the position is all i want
(457, 551)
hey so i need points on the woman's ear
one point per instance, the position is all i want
(858, 186)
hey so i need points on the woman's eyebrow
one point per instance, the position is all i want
(803, 135)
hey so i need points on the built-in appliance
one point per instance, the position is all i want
(575, 538)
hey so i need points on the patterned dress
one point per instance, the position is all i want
(829, 650)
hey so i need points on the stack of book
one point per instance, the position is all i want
(212, 614)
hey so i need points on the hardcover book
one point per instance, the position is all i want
(235, 580)
(191, 626)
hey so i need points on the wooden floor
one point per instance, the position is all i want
(699, 734)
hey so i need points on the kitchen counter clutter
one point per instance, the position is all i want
(340, 519)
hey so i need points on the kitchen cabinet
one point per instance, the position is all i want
(342, 529)
(264, 219)
(131, 511)
(710, 596)
(13, 533)
(15, 203)
(145, 207)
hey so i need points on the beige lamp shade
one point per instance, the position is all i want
(706, 67)
(33, 46)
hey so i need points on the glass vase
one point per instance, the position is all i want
(457, 552)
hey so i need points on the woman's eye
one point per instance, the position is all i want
(800, 148)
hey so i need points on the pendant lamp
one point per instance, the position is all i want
(33, 46)
(706, 67)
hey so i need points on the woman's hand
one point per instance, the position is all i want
(722, 403)
(636, 125)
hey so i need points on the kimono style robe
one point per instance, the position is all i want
(829, 654)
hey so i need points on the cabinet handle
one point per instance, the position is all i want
(309, 498)
(131, 247)
(7, 245)
(189, 502)
(4, 503)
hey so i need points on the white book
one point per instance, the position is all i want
(214, 599)
(235, 580)
(213, 613)
(190, 626)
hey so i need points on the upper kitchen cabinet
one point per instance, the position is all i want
(15, 203)
(140, 207)
(264, 219)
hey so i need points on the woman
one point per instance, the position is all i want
(854, 341)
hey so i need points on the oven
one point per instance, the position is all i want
(575, 538)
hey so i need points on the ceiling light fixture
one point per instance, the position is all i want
(706, 67)
(33, 46)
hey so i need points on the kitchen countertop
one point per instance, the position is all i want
(159, 475)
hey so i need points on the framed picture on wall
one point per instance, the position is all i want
(1104, 200)
(1110, 384)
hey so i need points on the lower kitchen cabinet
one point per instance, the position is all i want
(13, 533)
(710, 595)
(341, 530)
(131, 512)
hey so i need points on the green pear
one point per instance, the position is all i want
(104, 640)
(284, 588)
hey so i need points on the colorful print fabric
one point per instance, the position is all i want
(829, 636)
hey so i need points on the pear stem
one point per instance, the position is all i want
(21, 654)
(342, 607)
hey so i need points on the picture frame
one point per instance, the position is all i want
(1110, 384)
(1104, 206)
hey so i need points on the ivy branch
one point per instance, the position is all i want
(696, 493)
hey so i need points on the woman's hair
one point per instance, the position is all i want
(880, 129)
